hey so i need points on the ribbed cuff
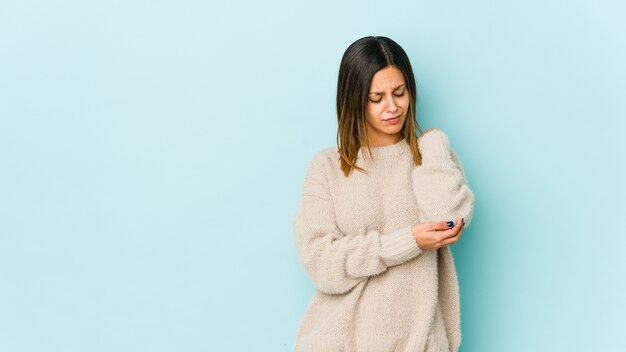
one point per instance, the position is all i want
(434, 147)
(398, 246)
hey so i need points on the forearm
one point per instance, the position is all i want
(439, 184)
(336, 262)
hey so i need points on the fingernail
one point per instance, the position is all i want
(450, 223)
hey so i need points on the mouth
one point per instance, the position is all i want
(391, 118)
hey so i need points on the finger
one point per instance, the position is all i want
(458, 235)
(440, 225)
(452, 232)
(453, 239)
(449, 241)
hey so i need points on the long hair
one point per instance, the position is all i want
(361, 60)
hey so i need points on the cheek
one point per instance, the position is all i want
(405, 101)
(373, 111)
(405, 105)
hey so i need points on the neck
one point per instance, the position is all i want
(390, 150)
(384, 140)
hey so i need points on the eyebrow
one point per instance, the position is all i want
(379, 93)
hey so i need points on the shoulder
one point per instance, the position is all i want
(323, 159)
(436, 144)
(324, 165)
(319, 172)
(433, 138)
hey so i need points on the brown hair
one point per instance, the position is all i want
(359, 63)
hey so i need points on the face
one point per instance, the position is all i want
(387, 106)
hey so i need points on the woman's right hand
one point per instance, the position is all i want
(434, 235)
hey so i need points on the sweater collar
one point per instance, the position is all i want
(387, 151)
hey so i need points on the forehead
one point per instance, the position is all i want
(388, 77)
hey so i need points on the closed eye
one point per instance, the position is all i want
(379, 100)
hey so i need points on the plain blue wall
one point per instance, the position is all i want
(152, 156)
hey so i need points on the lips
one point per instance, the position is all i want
(392, 117)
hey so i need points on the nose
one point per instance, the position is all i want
(392, 106)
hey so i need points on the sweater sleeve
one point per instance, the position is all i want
(336, 261)
(439, 184)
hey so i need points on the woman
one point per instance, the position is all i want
(376, 217)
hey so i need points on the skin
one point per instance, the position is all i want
(385, 102)
(434, 235)
(389, 97)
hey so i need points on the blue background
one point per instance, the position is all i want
(152, 156)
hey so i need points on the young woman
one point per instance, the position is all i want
(376, 216)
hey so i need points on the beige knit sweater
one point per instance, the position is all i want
(376, 289)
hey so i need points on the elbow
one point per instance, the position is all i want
(336, 287)
(329, 280)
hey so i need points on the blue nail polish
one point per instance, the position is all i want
(450, 223)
